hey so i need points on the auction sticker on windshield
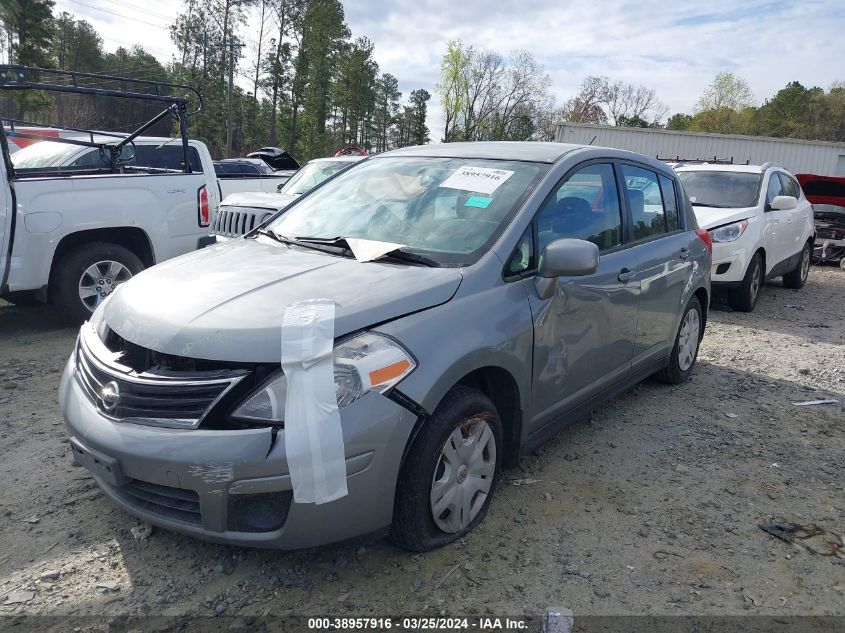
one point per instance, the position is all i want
(477, 179)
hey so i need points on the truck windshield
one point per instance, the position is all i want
(312, 174)
(721, 189)
(450, 209)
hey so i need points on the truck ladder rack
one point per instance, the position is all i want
(14, 77)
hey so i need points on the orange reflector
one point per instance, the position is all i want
(386, 374)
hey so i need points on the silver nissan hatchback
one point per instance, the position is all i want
(461, 303)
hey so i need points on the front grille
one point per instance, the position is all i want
(235, 221)
(173, 503)
(179, 399)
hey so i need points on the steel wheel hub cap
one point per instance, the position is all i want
(99, 280)
(463, 475)
(688, 340)
(805, 265)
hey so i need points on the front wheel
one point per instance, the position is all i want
(797, 277)
(685, 351)
(744, 297)
(88, 274)
(450, 472)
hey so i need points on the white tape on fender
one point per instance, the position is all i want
(313, 435)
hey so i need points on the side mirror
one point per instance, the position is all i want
(783, 203)
(564, 258)
(568, 258)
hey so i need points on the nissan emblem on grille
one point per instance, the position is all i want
(110, 395)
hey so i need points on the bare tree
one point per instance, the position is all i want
(626, 101)
(586, 106)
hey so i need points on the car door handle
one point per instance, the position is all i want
(684, 253)
(626, 274)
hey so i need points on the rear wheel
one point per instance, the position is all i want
(88, 274)
(797, 277)
(685, 351)
(745, 296)
(450, 472)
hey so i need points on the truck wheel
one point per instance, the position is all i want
(87, 274)
(798, 277)
(450, 472)
(744, 297)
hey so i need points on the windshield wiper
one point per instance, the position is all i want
(411, 258)
(399, 255)
(281, 239)
(712, 206)
(284, 239)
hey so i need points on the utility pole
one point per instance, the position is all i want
(231, 47)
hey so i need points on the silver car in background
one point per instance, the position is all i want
(523, 285)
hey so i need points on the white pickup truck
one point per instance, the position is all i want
(79, 216)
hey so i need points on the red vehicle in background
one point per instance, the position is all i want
(827, 195)
(352, 150)
(19, 142)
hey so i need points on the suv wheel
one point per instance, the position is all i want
(798, 277)
(87, 274)
(450, 472)
(685, 351)
(744, 297)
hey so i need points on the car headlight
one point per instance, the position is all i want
(367, 362)
(729, 232)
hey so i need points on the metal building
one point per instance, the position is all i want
(798, 156)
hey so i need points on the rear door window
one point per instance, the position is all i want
(670, 203)
(646, 200)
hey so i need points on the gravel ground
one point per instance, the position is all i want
(650, 506)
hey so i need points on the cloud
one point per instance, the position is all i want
(675, 48)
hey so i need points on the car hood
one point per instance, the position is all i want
(260, 199)
(226, 302)
(711, 217)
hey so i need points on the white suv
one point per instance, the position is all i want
(760, 222)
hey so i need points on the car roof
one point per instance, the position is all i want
(744, 169)
(539, 152)
(338, 159)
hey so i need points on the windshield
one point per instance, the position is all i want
(43, 154)
(312, 174)
(721, 189)
(446, 208)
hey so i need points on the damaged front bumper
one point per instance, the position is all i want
(233, 486)
(829, 244)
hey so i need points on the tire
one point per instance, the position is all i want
(462, 411)
(744, 298)
(682, 360)
(797, 277)
(68, 279)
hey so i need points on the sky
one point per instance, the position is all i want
(676, 49)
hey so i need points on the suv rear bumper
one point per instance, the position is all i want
(233, 486)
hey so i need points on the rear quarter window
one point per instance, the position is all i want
(169, 157)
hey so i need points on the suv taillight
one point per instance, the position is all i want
(203, 210)
(705, 237)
